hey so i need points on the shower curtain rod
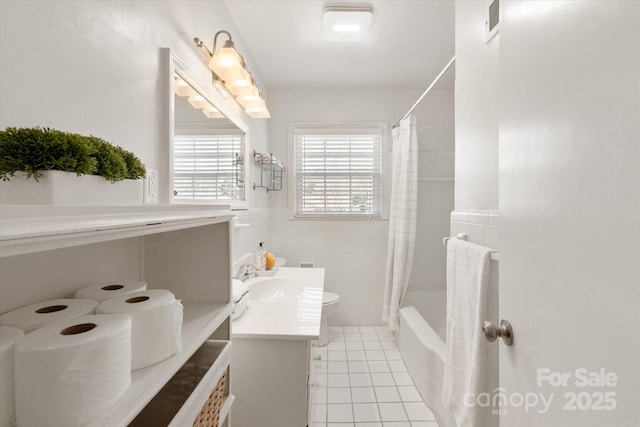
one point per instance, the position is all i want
(433, 83)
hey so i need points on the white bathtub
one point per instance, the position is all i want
(423, 352)
(420, 338)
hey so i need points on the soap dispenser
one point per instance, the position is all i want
(260, 258)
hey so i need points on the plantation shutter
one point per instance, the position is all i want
(338, 174)
(203, 166)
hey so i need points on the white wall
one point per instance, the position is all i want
(354, 252)
(94, 67)
(476, 108)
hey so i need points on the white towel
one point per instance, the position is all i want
(240, 306)
(467, 279)
(239, 290)
(240, 298)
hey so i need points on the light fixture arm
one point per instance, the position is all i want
(237, 78)
(228, 43)
(200, 44)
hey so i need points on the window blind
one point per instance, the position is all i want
(203, 166)
(338, 175)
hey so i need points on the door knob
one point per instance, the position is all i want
(504, 331)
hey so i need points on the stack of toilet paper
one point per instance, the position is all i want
(73, 364)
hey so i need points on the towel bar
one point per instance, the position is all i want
(495, 256)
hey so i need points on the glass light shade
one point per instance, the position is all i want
(180, 87)
(248, 93)
(198, 101)
(212, 112)
(237, 85)
(252, 103)
(225, 62)
(257, 109)
(263, 114)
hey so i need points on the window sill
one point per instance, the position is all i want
(365, 218)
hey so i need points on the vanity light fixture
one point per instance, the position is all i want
(180, 87)
(346, 23)
(197, 101)
(230, 72)
(212, 112)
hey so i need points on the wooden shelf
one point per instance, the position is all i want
(200, 321)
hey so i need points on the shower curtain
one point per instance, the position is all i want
(402, 218)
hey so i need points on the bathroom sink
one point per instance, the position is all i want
(270, 290)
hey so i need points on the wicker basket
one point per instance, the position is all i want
(209, 415)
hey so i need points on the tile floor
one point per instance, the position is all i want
(364, 382)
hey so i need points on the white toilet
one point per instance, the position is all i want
(329, 304)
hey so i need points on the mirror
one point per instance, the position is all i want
(208, 143)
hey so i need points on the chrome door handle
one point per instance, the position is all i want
(504, 331)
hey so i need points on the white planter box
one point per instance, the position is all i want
(64, 188)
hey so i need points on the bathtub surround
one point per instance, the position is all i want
(354, 252)
(402, 218)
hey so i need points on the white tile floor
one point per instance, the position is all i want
(364, 382)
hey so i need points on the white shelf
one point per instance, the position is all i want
(28, 229)
(226, 408)
(204, 257)
(200, 321)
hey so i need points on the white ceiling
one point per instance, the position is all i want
(409, 44)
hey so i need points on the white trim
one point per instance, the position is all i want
(436, 179)
(175, 65)
(341, 128)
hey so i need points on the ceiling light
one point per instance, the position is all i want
(228, 67)
(346, 23)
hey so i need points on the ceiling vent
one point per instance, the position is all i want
(492, 20)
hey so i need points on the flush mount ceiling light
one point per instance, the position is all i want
(230, 75)
(346, 23)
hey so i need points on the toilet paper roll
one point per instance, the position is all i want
(69, 372)
(8, 337)
(156, 328)
(109, 290)
(34, 316)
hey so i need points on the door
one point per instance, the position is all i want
(569, 211)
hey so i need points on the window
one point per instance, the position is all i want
(204, 167)
(337, 171)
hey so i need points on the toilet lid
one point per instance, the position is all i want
(330, 298)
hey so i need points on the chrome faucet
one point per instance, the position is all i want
(246, 271)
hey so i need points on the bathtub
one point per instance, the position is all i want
(423, 351)
(421, 340)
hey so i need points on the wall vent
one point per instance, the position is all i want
(492, 20)
(307, 264)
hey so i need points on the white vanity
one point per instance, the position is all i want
(272, 348)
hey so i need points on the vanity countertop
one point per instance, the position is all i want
(293, 318)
